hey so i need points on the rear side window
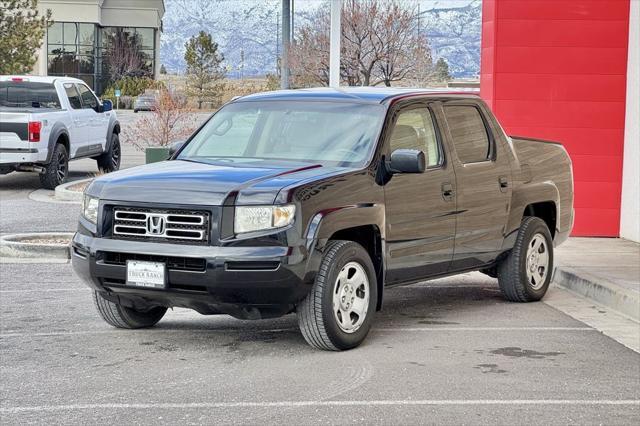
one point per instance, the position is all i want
(73, 95)
(88, 100)
(468, 132)
(25, 94)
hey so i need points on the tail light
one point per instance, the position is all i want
(34, 131)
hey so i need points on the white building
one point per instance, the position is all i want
(74, 45)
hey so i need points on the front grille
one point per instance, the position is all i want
(173, 262)
(187, 226)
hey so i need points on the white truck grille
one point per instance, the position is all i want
(175, 225)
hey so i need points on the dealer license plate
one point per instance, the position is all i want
(146, 274)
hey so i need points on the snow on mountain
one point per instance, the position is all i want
(247, 32)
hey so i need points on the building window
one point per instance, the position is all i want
(115, 40)
(83, 50)
(71, 48)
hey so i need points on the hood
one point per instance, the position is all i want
(187, 182)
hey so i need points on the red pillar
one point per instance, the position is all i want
(556, 69)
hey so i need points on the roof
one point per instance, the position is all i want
(358, 94)
(38, 78)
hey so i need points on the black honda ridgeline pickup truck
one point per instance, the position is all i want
(314, 201)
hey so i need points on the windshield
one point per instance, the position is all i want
(24, 94)
(329, 133)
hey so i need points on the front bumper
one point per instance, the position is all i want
(246, 282)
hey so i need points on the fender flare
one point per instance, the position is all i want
(530, 193)
(57, 130)
(114, 127)
(326, 223)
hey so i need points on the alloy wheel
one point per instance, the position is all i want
(537, 261)
(351, 297)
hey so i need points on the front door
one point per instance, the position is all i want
(483, 181)
(420, 220)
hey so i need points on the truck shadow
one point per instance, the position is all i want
(21, 181)
(422, 305)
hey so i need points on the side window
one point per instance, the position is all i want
(468, 132)
(88, 99)
(414, 129)
(73, 95)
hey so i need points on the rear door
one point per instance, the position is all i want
(483, 184)
(420, 220)
(80, 121)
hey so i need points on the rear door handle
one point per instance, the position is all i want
(447, 191)
(504, 183)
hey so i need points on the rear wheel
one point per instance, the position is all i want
(122, 317)
(338, 312)
(524, 275)
(109, 161)
(57, 170)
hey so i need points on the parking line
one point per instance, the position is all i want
(297, 404)
(392, 329)
(281, 330)
(83, 289)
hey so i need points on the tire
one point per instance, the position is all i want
(57, 170)
(524, 275)
(326, 328)
(122, 317)
(110, 160)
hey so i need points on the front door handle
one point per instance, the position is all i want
(447, 191)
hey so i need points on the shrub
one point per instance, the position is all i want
(170, 121)
(131, 86)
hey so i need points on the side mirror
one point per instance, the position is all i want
(175, 147)
(107, 105)
(407, 161)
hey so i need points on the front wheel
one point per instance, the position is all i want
(122, 317)
(109, 161)
(338, 312)
(525, 274)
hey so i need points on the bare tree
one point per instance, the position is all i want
(170, 121)
(406, 52)
(124, 55)
(381, 44)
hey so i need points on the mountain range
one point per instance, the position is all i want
(247, 32)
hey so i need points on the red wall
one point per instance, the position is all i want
(556, 69)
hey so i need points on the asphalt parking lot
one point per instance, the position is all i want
(449, 351)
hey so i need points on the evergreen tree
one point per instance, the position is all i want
(22, 30)
(163, 70)
(204, 68)
(441, 71)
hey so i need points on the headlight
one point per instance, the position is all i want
(90, 208)
(260, 218)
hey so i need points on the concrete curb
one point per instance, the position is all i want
(606, 293)
(63, 193)
(18, 246)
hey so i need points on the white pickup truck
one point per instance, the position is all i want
(47, 121)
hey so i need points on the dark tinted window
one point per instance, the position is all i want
(88, 100)
(72, 94)
(468, 132)
(24, 94)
